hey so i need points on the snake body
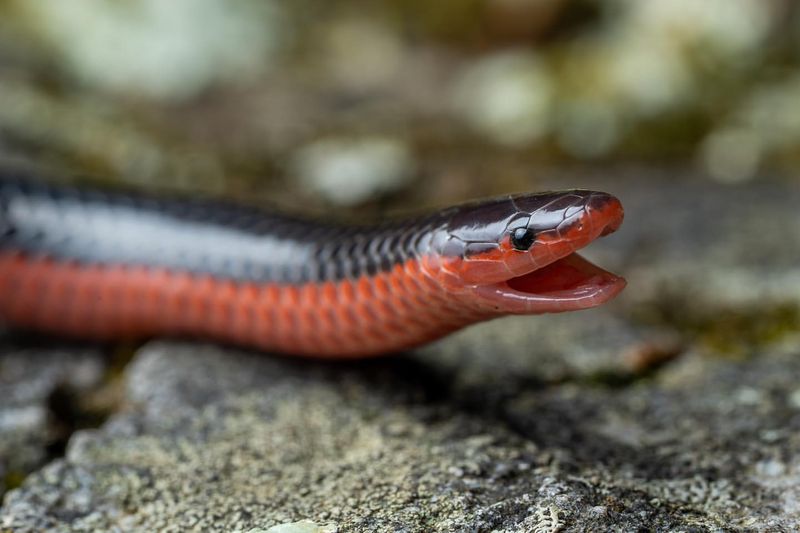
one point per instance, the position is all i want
(95, 264)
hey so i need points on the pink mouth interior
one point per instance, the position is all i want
(566, 274)
(571, 283)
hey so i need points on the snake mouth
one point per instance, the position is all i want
(568, 284)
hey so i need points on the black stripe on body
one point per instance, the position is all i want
(198, 236)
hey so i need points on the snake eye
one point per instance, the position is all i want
(522, 238)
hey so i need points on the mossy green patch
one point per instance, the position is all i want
(733, 332)
(13, 479)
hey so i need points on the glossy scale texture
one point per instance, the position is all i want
(101, 265)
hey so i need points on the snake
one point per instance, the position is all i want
(103, 264)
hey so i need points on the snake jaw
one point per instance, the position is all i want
(568, 284)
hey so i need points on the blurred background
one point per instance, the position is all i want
(380, 105)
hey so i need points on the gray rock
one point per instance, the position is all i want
(717, 245)
(230, 441)
(33, 383)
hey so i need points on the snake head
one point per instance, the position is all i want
(517, 254)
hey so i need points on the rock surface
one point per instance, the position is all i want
(36, 388)
(676, 408)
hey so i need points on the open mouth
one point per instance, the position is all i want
(568, 284)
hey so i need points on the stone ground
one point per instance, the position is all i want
(676, 408)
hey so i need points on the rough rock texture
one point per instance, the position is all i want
(676, 408)
(36, 385)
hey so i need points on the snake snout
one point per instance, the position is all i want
(605, 210)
